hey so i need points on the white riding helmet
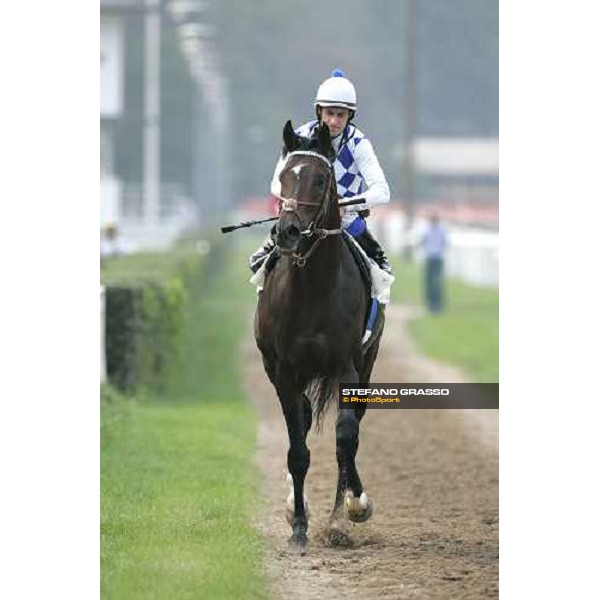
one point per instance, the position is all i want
(336, 91)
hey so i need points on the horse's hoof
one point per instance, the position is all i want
(299, 542)
(362, 516)
(338, 537)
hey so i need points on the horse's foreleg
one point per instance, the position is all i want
(358, 505)
(293, 407)
(308, 417)
(346, 433)
(351, 501)
(346, 437)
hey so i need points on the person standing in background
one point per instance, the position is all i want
(433, 243)
(111, 244)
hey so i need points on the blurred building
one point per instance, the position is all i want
(111, 111)
(460, 176)
(162, 155)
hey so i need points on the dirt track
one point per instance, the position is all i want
(432, 474)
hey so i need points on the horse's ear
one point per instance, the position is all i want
(290, 139)
(324, 140)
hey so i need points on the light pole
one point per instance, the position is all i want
(212, 124)
(409, 122)
(152, 115)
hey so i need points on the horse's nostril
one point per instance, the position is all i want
(293, 231)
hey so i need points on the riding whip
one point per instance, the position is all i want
(229, 228)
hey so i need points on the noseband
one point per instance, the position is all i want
(291, 205)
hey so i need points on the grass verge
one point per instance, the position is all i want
(178, 483)
(466, 334)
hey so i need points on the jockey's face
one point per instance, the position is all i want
(336, 118)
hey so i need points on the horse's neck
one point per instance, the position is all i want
(318, 275)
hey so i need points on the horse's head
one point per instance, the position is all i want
(308, 188)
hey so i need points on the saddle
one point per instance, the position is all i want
(360, 258)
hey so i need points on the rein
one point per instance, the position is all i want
(291, 205)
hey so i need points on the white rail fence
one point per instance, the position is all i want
(473, 257)
(472, 254)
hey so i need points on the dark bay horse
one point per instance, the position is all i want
(309, 325)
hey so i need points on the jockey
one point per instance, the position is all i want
(357, 170)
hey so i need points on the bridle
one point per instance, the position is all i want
(312, 229)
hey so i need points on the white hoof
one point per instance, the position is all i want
(356, 505)
(359, 509)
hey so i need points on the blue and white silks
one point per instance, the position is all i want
(357, 173)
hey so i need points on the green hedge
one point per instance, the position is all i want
(146, 297)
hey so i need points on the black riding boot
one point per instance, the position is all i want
(374, 250)
(257, 259)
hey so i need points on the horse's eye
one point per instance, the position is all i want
(320, 182)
